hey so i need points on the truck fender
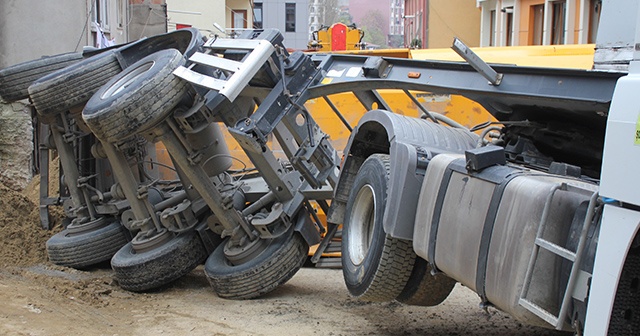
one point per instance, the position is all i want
(617, 232)
(410, 143)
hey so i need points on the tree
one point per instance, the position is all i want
(373, 26)
(331, 12)
(345, 18)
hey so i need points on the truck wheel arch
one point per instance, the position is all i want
(410, 143)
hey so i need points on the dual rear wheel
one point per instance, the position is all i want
(376, 266)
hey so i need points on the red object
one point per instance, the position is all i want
(338, 37)
(182, 26)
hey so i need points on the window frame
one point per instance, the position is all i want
(244, 14)
(558, 22)
(290, 17)
(257, 6)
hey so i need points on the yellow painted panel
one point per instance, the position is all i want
(574, 56)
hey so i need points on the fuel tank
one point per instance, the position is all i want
(480, 228)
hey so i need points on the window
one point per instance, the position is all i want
(557, 24)
(492, 27)
(257, 15)
(595, 7)
(509, 27)
(239, 18)
(101, 14)
(290, 17)
(536, 24)
(121, 13)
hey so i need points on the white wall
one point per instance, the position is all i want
(201, 14)
(30, 29)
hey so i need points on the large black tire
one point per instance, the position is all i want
(159, 266)
(376, 267)
(87, 248)
(625, 315)
(273, 267)
(72, 86)
(138, 98)
(424, 289)
(15, 80)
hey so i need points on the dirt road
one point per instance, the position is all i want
(49, 300)
(39, 298)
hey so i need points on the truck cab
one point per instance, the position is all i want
(537, 213)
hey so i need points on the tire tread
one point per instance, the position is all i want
(86, 249)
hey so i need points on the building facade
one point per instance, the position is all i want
(434, 23)
(30, 29)
(538, 22)
(227, 17)
(396, 24)
(288, 16)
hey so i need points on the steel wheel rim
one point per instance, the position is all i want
(362, 219)
(126, 80)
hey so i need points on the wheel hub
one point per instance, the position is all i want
(240, 254)
(146, 241)
(77, 226)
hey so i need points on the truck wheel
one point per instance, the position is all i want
(273, 267)
(79, 250)
(376, 267)
(138, 98)
(15, 80)
(72, 86)
(625, 315)
(424, 289)
(159, 266)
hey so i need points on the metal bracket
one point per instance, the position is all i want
(476, 62)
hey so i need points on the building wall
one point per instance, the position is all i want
(144, 18)
(239, 5)
(576, 21)
(415, 20)
(396, 21)
(449, 18)
(201, 14)
(274, 17)
(30, 29)
(436, 22)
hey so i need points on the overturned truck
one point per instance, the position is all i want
(530, 211)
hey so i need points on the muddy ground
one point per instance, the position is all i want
(38, 298)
